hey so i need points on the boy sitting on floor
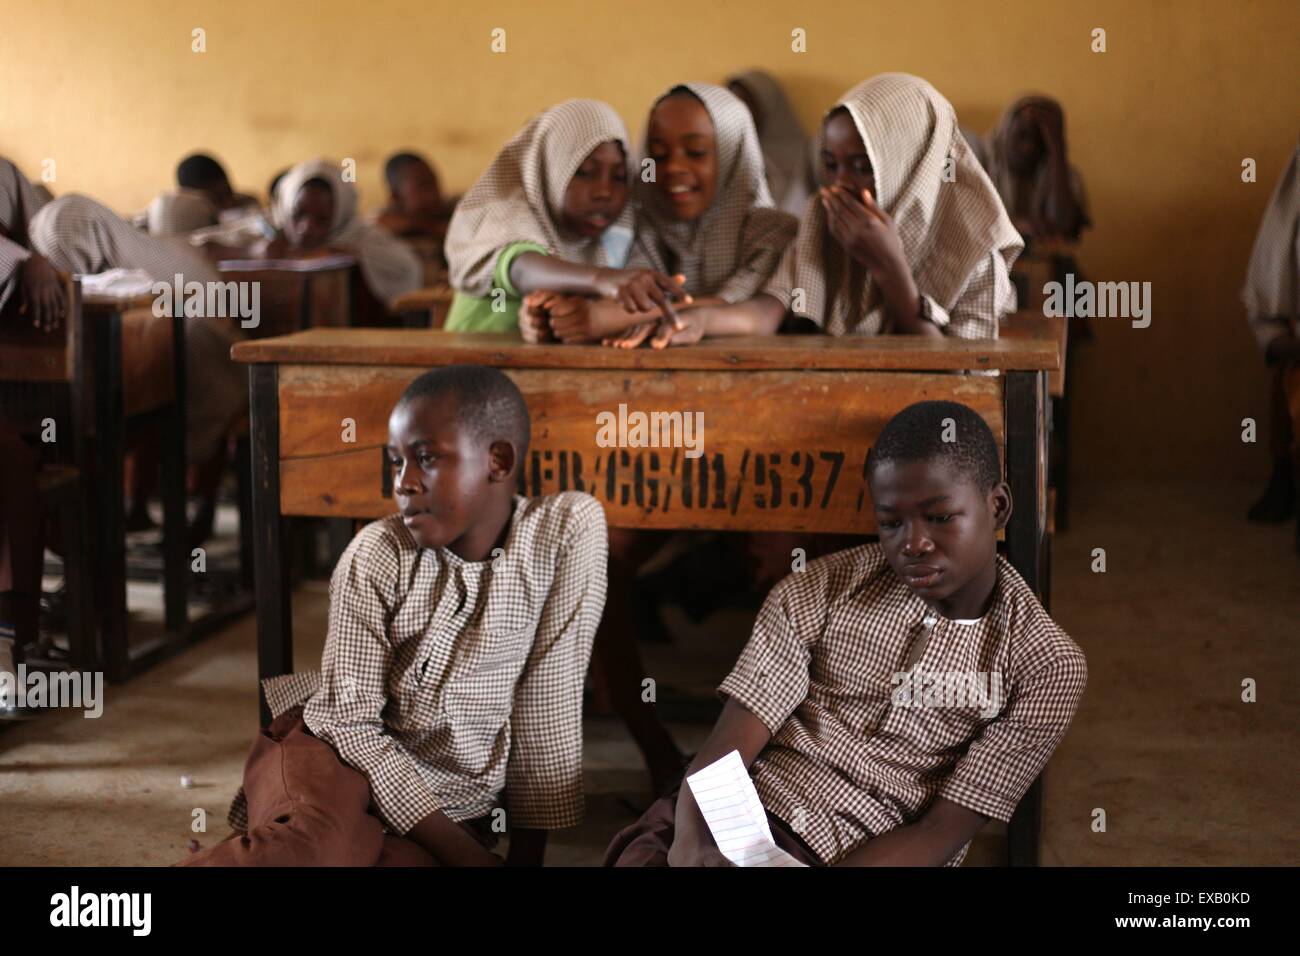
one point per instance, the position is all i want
(451, 684)
(833, 704)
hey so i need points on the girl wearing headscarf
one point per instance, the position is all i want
(314, 208)
(787, 153)
(550, 213)
(707, 216)
(907, 234)
(1026, 158)
(1272, 299)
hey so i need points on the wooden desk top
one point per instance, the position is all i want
(117, 303)
(311, 264)
(428, 348)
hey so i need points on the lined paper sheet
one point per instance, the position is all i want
(736, 818)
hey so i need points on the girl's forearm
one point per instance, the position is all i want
(531, 271)
(760, 315)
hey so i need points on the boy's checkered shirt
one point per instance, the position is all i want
(451, 683)
(846, 762)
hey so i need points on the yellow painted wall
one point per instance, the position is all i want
(1159, 124)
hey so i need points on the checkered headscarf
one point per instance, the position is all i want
(730, 250)
(520, 197)
(1272, 291)
(948, 229)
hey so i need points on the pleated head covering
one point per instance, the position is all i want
(520, 197)
(947, 228)
(389, 267)
(731, 249)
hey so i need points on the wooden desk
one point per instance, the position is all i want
(787, 425)
(110, 364)
(145, 383)
(425, 308)
(297, 294)
(1035, 325)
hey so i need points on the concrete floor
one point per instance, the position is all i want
(1194, 600)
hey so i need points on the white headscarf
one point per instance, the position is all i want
(947, 228)
(520, 197)
(1272, 291)
(730, 251)
(389, 267)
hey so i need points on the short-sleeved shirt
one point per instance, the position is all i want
(852, 755)
(449, 683)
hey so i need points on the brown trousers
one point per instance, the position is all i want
(646, 842)
(307, 808)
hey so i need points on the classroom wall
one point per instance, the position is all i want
(1159, 124)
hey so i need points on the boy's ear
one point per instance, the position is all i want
(501, 460)
(1002, 505)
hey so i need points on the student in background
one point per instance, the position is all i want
(1027, 160)
(450, 688)
(832, 704)
(890, 246)
(78, 235)
(204, 198)
(31, 292)
(1272, 299)
(550, 214)
(415, 212)
(787, 152)
(315, 213)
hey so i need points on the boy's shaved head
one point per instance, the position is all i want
(200, 171)
(918, 433)
(940, 502)
(487, 402)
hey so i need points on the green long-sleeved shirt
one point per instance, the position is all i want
(474, 313)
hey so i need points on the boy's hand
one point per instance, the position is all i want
(42, 293)
(696, 854)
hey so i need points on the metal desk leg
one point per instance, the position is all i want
(1026, 423)
(274, 607)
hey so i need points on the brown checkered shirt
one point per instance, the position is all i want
(847, 761)
(448, 682)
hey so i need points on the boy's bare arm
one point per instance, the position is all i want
(932, 840)
(449, 843)
(736, 729)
